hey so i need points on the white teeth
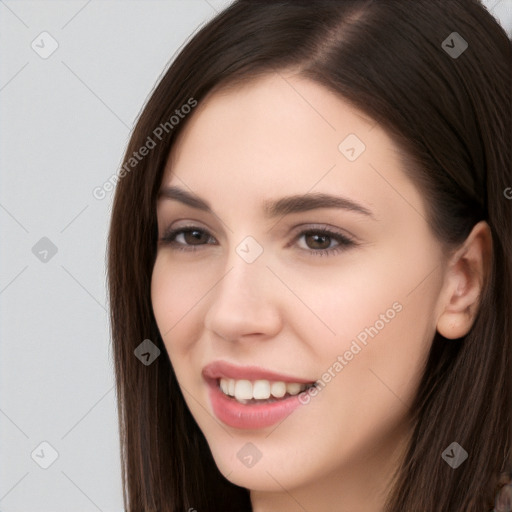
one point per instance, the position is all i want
(243, 390)
(293, 388)
(278, 389)
(261, 389)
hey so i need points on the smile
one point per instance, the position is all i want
(260, 391)
(250, 397)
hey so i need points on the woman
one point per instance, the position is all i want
(376, 135)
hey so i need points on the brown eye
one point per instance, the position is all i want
(195, 236)
(316, 241)
(186, 238)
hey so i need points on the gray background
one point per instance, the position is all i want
(64, 124)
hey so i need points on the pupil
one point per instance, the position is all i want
(195, 235)
(325, 239)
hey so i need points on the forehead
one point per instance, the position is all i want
(285, 133)
(276, 120)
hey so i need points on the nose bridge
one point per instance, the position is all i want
(243, 302)
(245, 276)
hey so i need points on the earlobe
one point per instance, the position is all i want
(466, 274)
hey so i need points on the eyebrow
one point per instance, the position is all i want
(273, 208)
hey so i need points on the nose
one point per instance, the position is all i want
(245, 302)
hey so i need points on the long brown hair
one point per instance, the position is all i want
(451, 117)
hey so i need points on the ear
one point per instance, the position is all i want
(466, 274)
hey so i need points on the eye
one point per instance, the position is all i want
(318, 240)
(190, 237)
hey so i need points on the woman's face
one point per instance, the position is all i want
(255, 282)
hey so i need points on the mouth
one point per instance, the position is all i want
(260, 391)
(251, 397)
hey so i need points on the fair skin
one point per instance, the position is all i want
(293, 311)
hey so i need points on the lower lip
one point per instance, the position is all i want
(249, 416)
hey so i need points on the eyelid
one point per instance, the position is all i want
(344, 242)
(191, 226)
(173, 232)
(325, 228)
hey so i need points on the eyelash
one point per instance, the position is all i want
(168, 239)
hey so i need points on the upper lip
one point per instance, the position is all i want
(223, 369)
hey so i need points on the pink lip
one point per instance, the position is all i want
(247, 416)
(219, 369)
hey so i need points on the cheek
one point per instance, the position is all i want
(369, 372)
(175, 295)
(377, 314)
(334, 303)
